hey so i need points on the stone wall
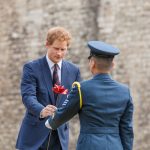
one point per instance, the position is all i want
(24, 24)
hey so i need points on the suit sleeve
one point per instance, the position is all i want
(70, 107)
(126, 126)
(28, 91)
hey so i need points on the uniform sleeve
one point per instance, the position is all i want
(70, 107)
(28, 91)
(126, 126)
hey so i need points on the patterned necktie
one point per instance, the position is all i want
(55, 79)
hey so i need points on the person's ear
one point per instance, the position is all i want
(113, 64)
(93, 64)
(46, 44)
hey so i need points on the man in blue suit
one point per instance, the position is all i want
(104, 105)
(39, 77)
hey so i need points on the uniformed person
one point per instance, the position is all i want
(104, 105)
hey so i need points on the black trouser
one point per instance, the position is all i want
(54, 142)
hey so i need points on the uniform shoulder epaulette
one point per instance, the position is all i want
(79, 89)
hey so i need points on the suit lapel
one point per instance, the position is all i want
(48, 79)
(64, 81)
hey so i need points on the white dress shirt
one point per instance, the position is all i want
(51, 67)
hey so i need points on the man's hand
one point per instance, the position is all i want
(48, 111)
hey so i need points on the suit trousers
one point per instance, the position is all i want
(54, 142)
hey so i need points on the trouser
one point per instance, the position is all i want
(54, 142)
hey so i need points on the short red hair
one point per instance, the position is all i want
(58, 33)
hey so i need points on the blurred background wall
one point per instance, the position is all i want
(123, 23)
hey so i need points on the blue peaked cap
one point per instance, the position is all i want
(102, 49)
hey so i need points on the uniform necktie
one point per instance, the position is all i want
(55, 79)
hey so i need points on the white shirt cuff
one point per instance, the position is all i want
(47, 124)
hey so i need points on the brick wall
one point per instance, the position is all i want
(22, 37)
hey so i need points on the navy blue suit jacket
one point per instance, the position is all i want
(105, 117)
(36, 91)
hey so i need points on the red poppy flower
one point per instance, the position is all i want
(60, 89)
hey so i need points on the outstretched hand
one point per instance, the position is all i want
(48, 111)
